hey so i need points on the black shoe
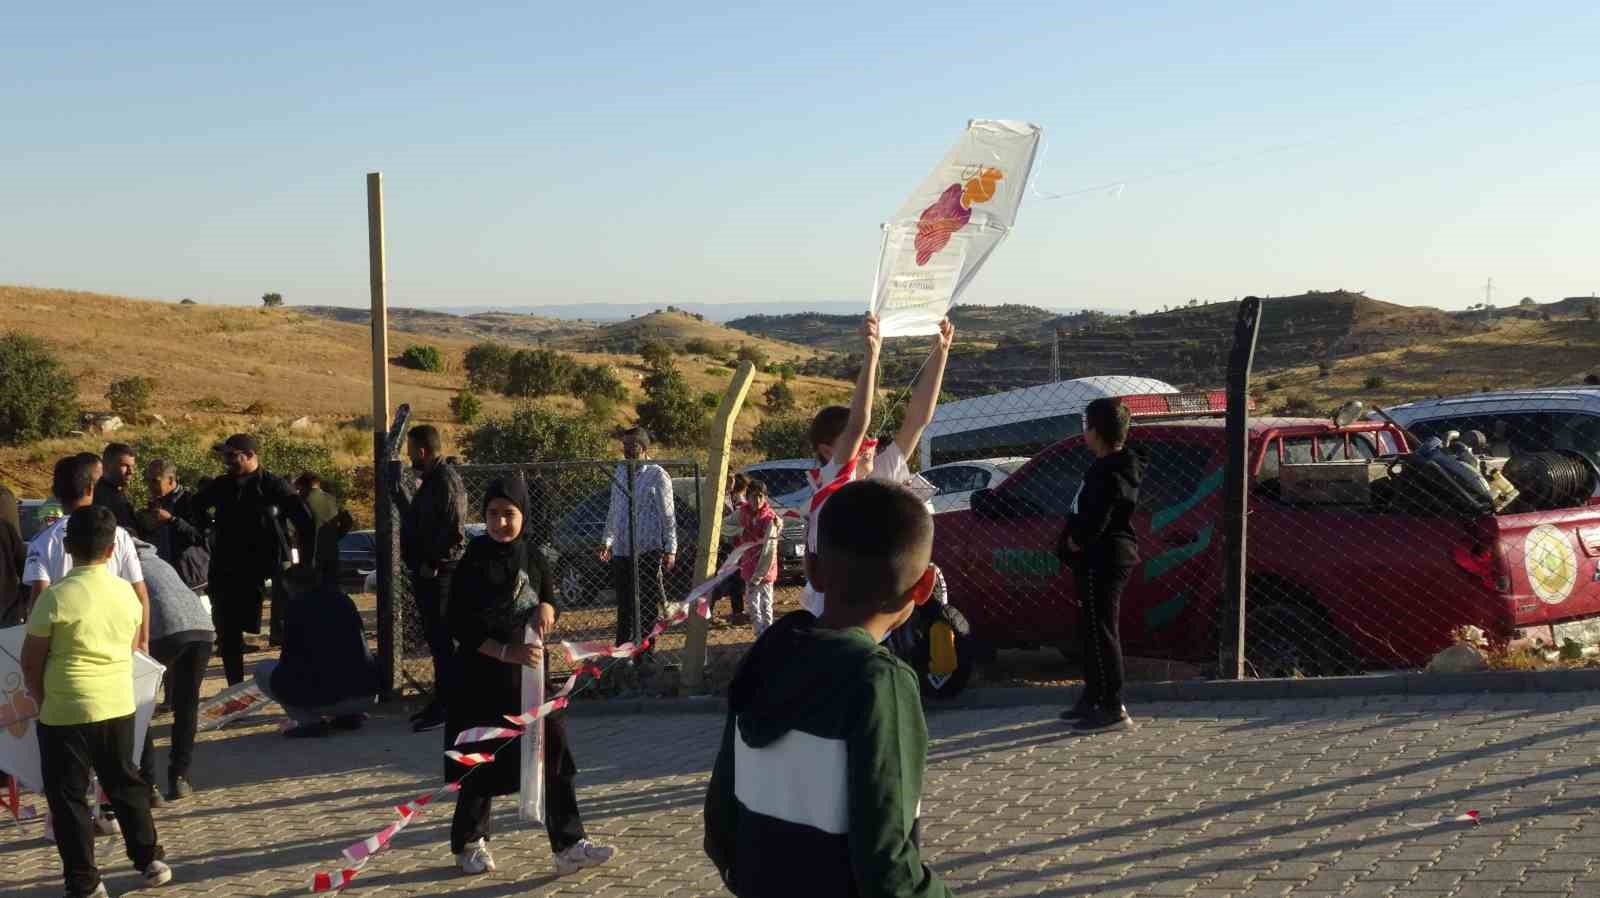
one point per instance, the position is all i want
(250, 648)
(1103, 720)
(431, 718)
(308, 731)
(178, 788)
(1078, 712)
(349, 721)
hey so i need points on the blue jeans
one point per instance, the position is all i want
(303, 716)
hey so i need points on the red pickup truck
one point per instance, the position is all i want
(1331, 588)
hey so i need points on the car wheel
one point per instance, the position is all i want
(944, 642)
(1285, 640)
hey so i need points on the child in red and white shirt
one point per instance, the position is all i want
(759, 566)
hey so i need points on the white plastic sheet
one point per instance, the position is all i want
(530, 805)
(937, 240)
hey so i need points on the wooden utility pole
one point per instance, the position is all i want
(712, 484)
(383, 507)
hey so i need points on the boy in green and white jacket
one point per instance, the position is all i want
(818, 785)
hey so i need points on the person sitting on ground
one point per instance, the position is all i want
(111, 489)
(325, 678)
(181, 634)
(1100, 546)
(77, 662)
(817, 786)
(501, 589)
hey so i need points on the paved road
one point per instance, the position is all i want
(1323, 798)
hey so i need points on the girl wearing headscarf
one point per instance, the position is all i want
(501, 586)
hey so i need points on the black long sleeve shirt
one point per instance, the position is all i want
(433, 521)
(1102, 524)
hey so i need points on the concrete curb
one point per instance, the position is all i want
(1402, 683)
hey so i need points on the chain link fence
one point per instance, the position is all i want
(576, 506)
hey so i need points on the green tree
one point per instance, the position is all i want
(540, 372)
(598, 380)
(466, 406)
(703, 346)
(130, 397)
(755, 355)
(531, 434)
(782, 437)
(488, 366)
(670, 410)
(656, 352)
(272, 300)
(1374, 382)
(780, 398)
(422, 357)
(38, 397)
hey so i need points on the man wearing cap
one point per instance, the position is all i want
(246, 509)
(653, 537)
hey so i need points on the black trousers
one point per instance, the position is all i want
(647, 597)
(1099, 631)
(235, 610)
(733, 588)
(433, 596)
(561, 819)
(186, 669)
(280, 602)
(67, 755)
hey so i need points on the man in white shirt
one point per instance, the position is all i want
(838, 437)
(649, 545)
(48, 559)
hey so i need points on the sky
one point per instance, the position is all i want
(555, 153)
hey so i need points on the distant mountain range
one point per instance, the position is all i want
(720, 312)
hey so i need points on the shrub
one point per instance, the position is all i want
(1299, 407)
(598, 380)
(703, 346)
(272, 300)
(671, 412)
(130, 397)
(187, 302)
(785, 370)
(488, 365)
(287, 455)
(1273, 385)
(258, 409)
(711, 399)
(780, 398)
(532, 434)
(422, 357)
(466, 407)
(657, 353)
(717, 371)
(187, 448)
(754, 355)
(1374, 382)
(209, 403)
(539, 372)
(783, 437)
(38, 397)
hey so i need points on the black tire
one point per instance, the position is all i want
(1288, 640)
(953, 685)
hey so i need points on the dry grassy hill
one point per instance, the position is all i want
(505, 327)
(210, 362)
(679, 329)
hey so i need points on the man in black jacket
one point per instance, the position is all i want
(111, 491)
(246, 509)
(168, 523)
(432, 540)
(1100, 546)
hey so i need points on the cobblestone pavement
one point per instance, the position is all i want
(1324, 798)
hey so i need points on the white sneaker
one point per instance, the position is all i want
(584, 854)
(99, 892)
(156, 875)
(106, 825)
(476, 860)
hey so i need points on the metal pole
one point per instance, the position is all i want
(383, 506)
(633, 547)
(1236, 479)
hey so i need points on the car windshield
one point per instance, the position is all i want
(781, 481)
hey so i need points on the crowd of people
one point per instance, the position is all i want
(817, 784)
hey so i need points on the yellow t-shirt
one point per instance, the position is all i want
(90, 618)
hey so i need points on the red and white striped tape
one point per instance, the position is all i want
(484, 734)
(544, 710)
(469, 759)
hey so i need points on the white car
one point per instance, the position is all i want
(1514, 421)
(788, 479)
(958, 480)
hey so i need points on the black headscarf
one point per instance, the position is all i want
(514, 488)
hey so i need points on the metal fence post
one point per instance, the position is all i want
(633, 548)
(1236, 479)
(711, 487)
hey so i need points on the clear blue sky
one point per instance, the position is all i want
(543, 153)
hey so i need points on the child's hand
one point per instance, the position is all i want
(869, 335)
(947, 333)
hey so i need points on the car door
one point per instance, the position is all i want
(999, 556)
(1168, 604)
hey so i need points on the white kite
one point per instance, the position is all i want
(944, 232)
(19, 746)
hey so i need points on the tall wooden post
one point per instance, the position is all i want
(1236, 473)
(383, 507)
(711, 490)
